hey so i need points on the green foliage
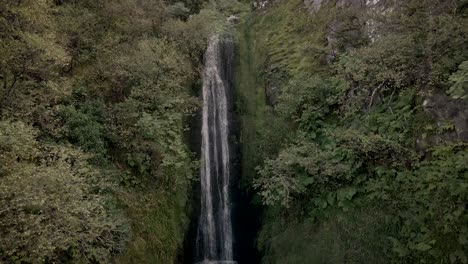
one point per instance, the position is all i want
(290, 44)
(109, 87)
(17, 143)
(262, 132)
(149, 126)
(308, 101)
(158, 232)
(459, 88)
(401, 67)
(29, 53)
(349, 180)
(336, 237)
(193, 34)
(433, 217)
(178, 10)
(228, 7)
(297, 169)
(84, 127)
(55, 206)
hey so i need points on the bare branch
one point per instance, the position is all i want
(373, 95)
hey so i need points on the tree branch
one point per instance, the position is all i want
(373, 95)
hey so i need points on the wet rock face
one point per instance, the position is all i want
(443, 108)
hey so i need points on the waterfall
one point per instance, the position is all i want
(215, 234)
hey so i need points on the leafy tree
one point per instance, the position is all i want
(109, 88)
(55, 206)
(30, 53)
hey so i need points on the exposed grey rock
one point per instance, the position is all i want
(373, 27)
(347, 30)
(351, 4)
(233, 19)
(313, 6)
(271, 94)
(353, 24)
(261, 4)
(443, 108)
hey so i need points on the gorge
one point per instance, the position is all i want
(234, 131)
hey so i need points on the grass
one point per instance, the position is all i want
(250, 97)
(290, 39)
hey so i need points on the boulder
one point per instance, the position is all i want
(233, 19)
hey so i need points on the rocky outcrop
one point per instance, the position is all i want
(351, 4)
(313, 6)
(233, 19)
(261, 4)
(447, 110)
(348, 28)
(353, 24)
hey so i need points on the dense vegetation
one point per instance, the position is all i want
(354, 135)
(95, 99)
(336, 140)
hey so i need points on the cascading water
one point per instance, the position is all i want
(215, 233)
